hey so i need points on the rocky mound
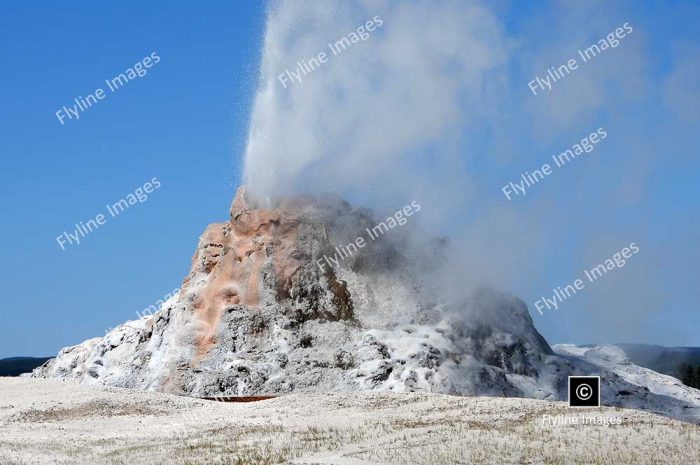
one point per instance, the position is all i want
(262, 312)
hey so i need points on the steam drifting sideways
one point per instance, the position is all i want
(444, 218)
(299, 292)
(434, 106)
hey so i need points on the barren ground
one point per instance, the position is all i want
(46, 421)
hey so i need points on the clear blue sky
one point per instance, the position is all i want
(186, 121)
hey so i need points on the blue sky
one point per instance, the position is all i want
(186, 123)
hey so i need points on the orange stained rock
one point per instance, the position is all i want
(233, 254)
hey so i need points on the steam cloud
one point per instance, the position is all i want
(367, 118)
(434, 106)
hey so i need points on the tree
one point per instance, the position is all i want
(687, 374)
(697, 377)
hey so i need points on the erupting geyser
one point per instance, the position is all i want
(256, 315)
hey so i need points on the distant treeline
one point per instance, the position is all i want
(15, 366)
(689, 374)
(664, 360)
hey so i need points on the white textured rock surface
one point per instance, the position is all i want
(48, 421)
(612, 358)
(256, 315)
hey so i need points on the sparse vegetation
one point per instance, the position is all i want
(365, 427)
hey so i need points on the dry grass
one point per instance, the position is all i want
(343, 428)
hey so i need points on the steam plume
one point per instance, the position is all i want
(384, 110)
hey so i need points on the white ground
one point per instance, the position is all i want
(614, 359)
(46, 421)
